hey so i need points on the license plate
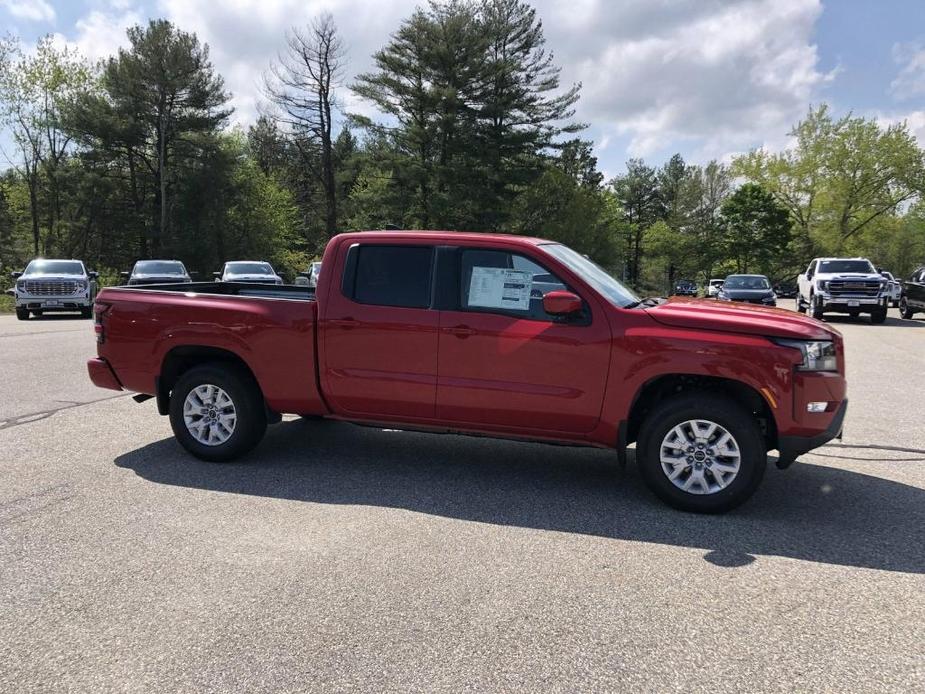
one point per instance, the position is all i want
(52, 303)
(854, 303)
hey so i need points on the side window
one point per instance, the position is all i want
(393, 276)
(811, 269)
(504, 282)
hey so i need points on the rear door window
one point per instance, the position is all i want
(394, 276)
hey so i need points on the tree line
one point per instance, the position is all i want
(134, 157)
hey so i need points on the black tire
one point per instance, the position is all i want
(251, 418)
(801, 308)
(878, 315)
(815, 308)
(86, 312)
(22, 314)
(904, 309)
(715, 408)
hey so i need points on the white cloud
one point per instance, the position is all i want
(33, 10)
(245, 36)
(711, 78)
(100, 33)
(914, 120)
(705, 78)
(911, 78)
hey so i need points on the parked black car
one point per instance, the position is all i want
(912, 300)
(752, 289)
(786, 290)
(157, 272)
(685, 288)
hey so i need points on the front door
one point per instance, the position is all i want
(380, 334)
(504, 362)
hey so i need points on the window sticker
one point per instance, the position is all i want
(493, 287)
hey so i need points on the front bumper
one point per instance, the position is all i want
(846, 304)
(791, 447)
(53, 303)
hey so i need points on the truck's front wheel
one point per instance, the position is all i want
(217, 412)
(22, 314)
(701, 453)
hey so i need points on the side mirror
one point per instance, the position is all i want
(93, 274)
(124, 274)
(561, 303)
(193, 273)
(302, 274)
(15, 275)
(217, 275)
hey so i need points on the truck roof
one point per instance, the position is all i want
(857, 257)
(428, 235)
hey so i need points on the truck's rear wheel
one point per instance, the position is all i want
(701, 453)
(904, 309)
(217, 412)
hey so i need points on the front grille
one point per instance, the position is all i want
(52, 287)
(854, 288)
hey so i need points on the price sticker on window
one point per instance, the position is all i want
(492, 287)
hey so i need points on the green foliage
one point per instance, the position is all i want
(557, 207)
(133, 159)
(472, 102)
(757, 230)
(840, 180)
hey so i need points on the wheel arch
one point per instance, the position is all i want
(181, 359)
(669, 385)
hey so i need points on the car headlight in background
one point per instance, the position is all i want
(818, 355)
(823, 284)
(769, 299)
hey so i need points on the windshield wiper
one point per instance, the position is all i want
(647, 302)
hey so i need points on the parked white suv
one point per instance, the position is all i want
(843, 285)
(54, 285)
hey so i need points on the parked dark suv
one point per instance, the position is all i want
(912, 300)
(685, 288)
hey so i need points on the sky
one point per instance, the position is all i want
(706, 78)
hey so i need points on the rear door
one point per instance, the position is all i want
(505, 362)
(380, 333)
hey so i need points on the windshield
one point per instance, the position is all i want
(863, 266)
(248, 269)
(55, 267)
(746, 282)
(593, 274)
(159, 267)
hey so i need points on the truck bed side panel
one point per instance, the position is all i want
(274, 337)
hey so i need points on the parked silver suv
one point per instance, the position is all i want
(54, 285)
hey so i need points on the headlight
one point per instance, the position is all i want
(822, 284)
(21, 286)
(817, 355)
(769, 299)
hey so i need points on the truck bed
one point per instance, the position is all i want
(270, 328)
(256, 289)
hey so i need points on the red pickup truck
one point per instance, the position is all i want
(485, 334)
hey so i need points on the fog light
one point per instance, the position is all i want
(816, 406)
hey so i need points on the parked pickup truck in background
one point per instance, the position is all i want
(843, 285)
(48, 285)
(447, 332)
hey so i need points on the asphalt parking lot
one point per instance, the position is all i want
(342, 558)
